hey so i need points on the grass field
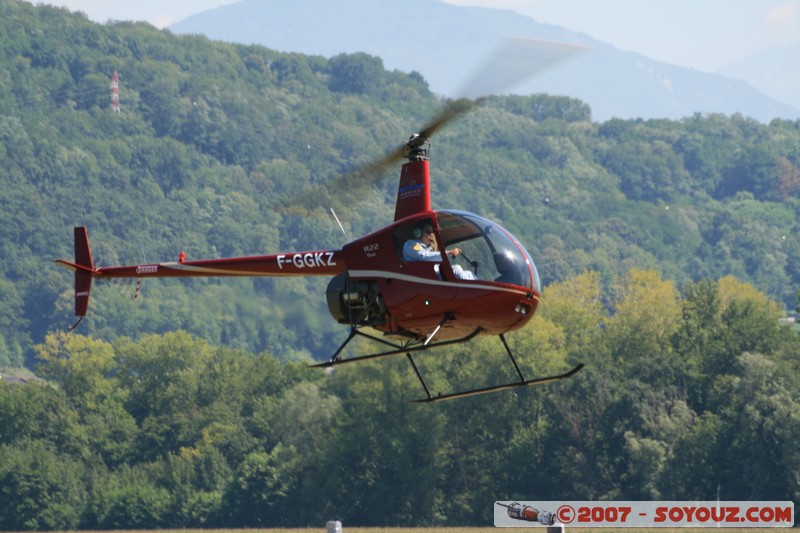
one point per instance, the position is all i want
(489, 529)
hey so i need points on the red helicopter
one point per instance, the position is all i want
(384, 295)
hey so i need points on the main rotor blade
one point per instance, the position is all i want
(514, 61)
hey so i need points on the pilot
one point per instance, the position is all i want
(423, 248)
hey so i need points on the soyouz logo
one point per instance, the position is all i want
(648, 514)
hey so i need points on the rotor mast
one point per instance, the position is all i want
(414, 190)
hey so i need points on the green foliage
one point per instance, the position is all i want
(691, 393)
(127, 498)
(358, 73)
(39, 489)
(258, 494)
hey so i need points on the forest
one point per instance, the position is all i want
(668, 249)
(687, 395)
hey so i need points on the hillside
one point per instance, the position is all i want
(213, 139)
(443, 43)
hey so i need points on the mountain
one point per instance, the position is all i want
(774, 71)
(445, 43)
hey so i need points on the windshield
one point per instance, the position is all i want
(488, 250)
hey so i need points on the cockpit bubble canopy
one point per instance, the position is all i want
(493, 253)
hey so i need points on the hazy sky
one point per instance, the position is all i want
(701, 34)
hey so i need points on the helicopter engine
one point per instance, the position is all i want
(355, 302)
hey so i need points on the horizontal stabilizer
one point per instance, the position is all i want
(72, 266)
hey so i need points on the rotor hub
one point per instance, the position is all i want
(417, 148)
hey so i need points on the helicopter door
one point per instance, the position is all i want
(419, 243)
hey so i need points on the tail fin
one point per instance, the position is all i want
(83, 278)
(84, 270)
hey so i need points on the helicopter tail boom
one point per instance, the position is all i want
(313, 263)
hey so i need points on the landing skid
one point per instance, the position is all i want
(418, 344)
(507, 386)
(474, 392)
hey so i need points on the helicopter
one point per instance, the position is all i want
(402, 305)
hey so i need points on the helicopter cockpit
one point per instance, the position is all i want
(488, 250)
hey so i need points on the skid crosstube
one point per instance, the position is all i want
(415, 345)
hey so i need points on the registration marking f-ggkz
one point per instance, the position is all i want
(307, 260)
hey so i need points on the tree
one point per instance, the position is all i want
(358, 73)
(540, 107)
(14, 329)
(162, 376)
(128, 498)
(751, 324)
(39, 489)
(576, 305)
(662, 423)
(258, 494)
(788, 179)
(646, 316)
(368, 454)
(761, 426)
(649, 169)
(754, 169)
(695, 468)
(81, 365)
(40, 412)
